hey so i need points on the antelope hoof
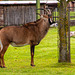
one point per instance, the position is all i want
(1, 66)
(32, 65)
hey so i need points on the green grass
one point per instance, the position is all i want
(72, 14)
(17, 59)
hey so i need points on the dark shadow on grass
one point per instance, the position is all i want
(62, 65)
(72, 37)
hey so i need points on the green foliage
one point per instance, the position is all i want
(17, 59)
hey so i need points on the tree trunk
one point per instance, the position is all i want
(63, 30)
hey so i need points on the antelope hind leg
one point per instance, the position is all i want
(2, 55)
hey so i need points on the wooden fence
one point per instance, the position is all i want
(72, 18)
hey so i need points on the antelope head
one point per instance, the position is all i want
(47, 16)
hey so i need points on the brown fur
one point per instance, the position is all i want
(31, 33)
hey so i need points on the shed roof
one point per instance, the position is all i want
(26, 2)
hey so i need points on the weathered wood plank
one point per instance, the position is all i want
(19, 15)
(11, 16)
(27, 14)
(1, 16)
(5, 16)
(33, 13)
(23, 15)
(16, 14)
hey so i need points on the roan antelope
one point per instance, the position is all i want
(29, 34)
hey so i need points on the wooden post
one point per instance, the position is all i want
(37, 11)
(64, 33)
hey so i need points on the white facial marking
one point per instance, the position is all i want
(50, 20)
(1, 45)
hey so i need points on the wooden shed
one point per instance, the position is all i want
(19, 12)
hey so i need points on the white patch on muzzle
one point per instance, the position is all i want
(54, 25)
(1, 46)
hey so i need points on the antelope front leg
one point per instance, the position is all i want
(0, 60)
(32, 55)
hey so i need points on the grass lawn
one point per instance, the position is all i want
(17, 59)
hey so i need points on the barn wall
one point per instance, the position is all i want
(1, 16)
(17, 14)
